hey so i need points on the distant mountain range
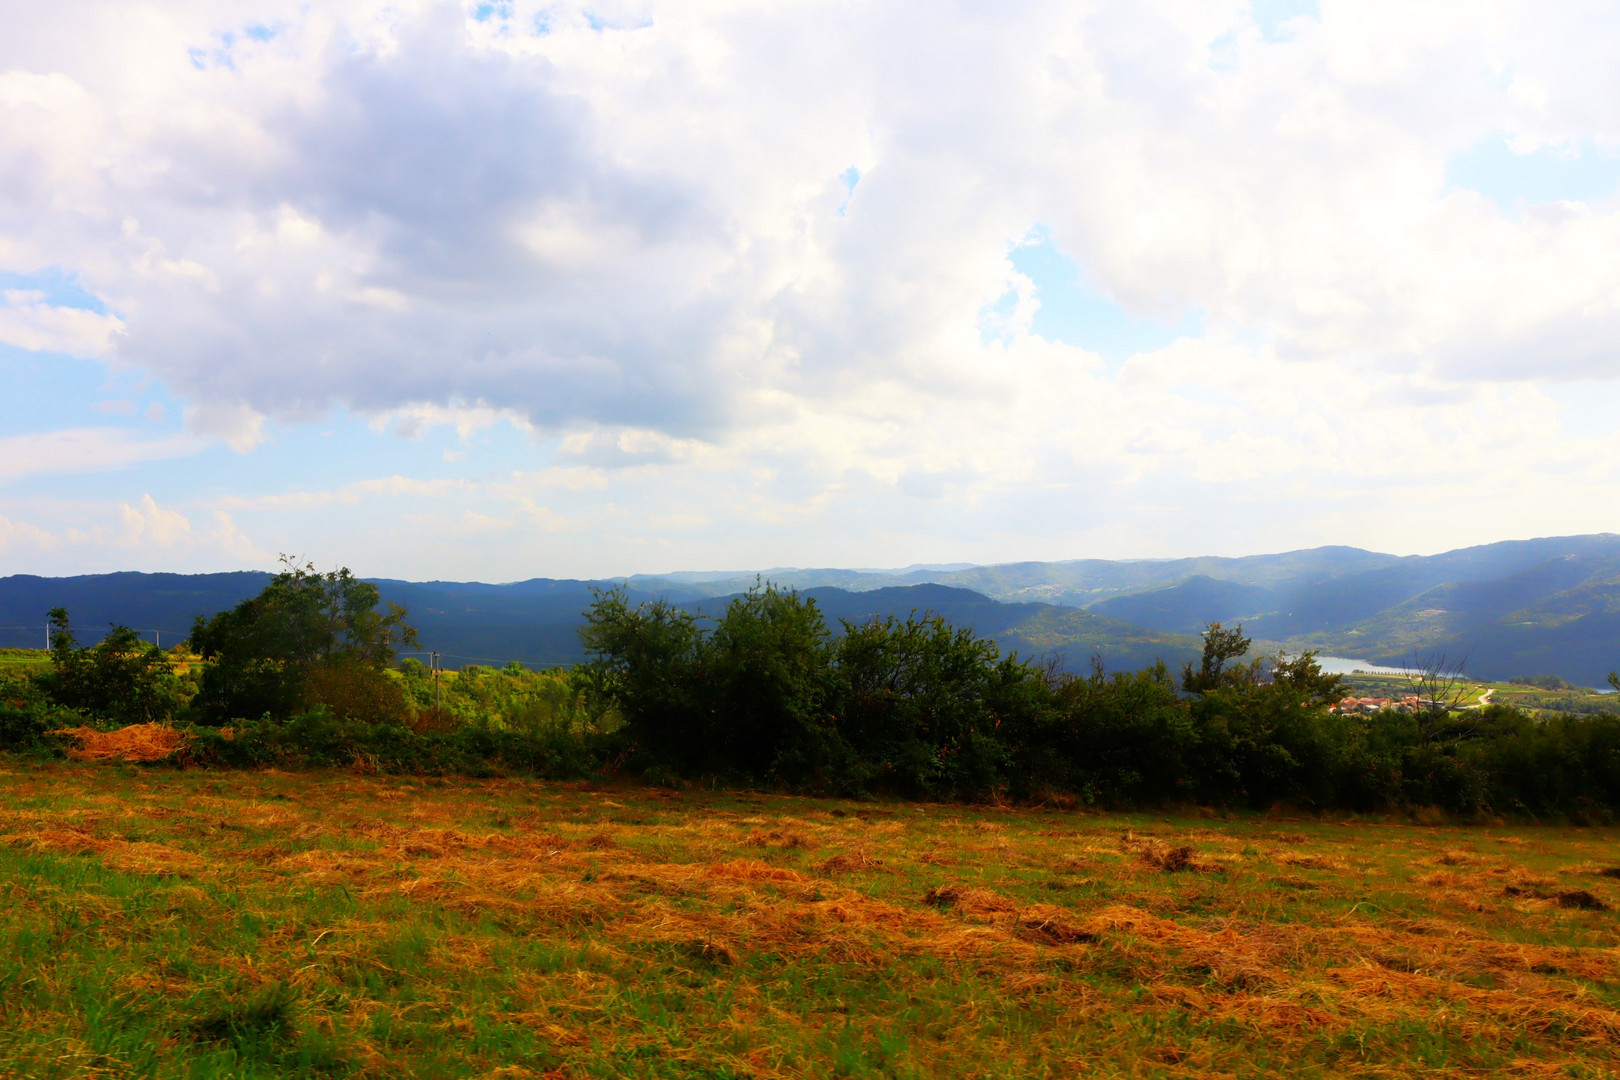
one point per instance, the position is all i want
(1546, 606)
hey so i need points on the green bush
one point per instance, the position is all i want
(319, 739)
(121, 679)
(307, 639)
(649, 660)
(513, 697)
(27, 718)
(922, 704)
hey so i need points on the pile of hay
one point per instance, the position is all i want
(138, 742)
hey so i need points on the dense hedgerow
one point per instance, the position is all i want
(318, 738)
(919, 709)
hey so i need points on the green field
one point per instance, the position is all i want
(21, 660)
(161, 923)
(1580, 700)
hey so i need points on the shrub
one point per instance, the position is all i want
(1119, 738)
(121, 679)
(648, 659)
(921, 706)
(768, 688)
(318, 738)
(308, 638)
(355, 690)
(27, 718)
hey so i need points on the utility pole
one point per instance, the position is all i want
(435, 681)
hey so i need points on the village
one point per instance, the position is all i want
(1404, 703)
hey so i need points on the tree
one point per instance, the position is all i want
(648, 660)
(309, 638)
(121, 678)
(1440, 686)
(747, 699)
(1221, 647)
(923, 704)
(769, 665)
(1304, 676)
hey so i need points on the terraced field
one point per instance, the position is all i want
(160, 923)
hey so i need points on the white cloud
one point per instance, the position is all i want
(239, 426)
(80, 450)
(15, 536)
(637, 226)
(148, 524)
(634, 244)
(28, 322)
(91, 537)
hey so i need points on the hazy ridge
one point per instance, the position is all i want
(1548, 605)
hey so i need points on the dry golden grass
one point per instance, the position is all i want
(138, 742)
(501, 927)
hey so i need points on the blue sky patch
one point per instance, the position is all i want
(61, 288)
(1491, 168)
(1271, 16)
(849, 177)
(1075, 313)
(49, 392)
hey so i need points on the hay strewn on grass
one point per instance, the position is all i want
(139, 742)
(430, 928)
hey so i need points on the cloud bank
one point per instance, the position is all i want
(763, 254)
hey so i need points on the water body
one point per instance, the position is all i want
(1343, 665)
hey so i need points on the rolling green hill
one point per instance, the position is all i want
(1524, 607)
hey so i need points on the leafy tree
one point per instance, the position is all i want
(1110, 738)
(924, 703)
(309, 638)
(121, 678)
(1303, 676)
(769, 662)
(1221, 647)
(648, 659)
(749, 699)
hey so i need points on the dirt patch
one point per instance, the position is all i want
(776, 838)
(849, 862)
(969, 900)
(1050, 926)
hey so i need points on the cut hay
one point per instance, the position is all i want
(1168, 857)
(971, 901)
(1051, 926)
(138, 742)
(848, 862)
(718, 914)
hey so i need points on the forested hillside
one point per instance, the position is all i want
(1545, 606)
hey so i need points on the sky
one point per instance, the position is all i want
(500, 290)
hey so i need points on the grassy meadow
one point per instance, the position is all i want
(24, 660)
(165, 923)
